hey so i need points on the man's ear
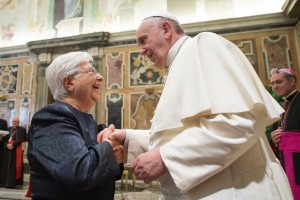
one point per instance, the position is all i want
(67, 83)
(166, 26)
(292, 81)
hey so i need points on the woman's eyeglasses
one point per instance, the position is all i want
(92, 70)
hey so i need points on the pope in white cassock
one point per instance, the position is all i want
(207, 138)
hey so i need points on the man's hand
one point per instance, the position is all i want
(276, 135)
(149, 166)
(118, 135)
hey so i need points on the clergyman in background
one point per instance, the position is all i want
(13, 170)
(286, 134)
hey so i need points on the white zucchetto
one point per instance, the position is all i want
(164, 14)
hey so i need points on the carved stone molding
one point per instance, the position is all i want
(292, 8)
(67, 44)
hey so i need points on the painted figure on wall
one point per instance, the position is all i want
(73, 8)
(67, 9)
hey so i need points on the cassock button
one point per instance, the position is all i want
(151, 142)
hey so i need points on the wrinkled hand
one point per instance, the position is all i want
(118, 135)
(118, 153)
(149, 166)
(103, 135)
(276, 135)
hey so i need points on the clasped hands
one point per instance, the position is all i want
(147, 166)
(116, 145)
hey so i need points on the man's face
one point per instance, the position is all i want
(152, 42)
(282, 86)
(15, 122)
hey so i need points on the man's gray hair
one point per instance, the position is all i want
(64, 65)
(287, 72)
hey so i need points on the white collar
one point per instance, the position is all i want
(285, 98)
(174, 49)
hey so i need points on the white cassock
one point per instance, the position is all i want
(210, 126)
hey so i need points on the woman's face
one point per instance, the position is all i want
(86, 86)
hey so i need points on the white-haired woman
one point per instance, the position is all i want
(65, 160)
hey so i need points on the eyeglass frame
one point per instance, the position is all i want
(91, 69)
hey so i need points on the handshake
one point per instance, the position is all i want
(147, 166)
(116, 138)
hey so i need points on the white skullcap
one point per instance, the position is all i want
(164, 14)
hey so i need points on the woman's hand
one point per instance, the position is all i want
(118, 153)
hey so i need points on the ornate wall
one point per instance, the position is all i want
(17, 89)
(132, 88)
(269, 49)
(132, 85)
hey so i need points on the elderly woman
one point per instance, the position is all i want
(66, 162)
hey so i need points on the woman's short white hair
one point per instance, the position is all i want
(64, 65)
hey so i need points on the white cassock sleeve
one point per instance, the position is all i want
(136, 142)
(201, 151)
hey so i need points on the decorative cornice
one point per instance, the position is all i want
(14, 51)
(122, 38)
(78, 42)
(243, 24)
(232, 25)
(102, 39)
(292, 8)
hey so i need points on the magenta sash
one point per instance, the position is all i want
(289, 150)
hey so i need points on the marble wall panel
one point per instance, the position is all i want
(248, 47)
(276, 51)
(114, 109)
(115, 68)
(24, 112)
(9, 79)
(143, 71)
(142, 107)
(28, 69)
(298, 36)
